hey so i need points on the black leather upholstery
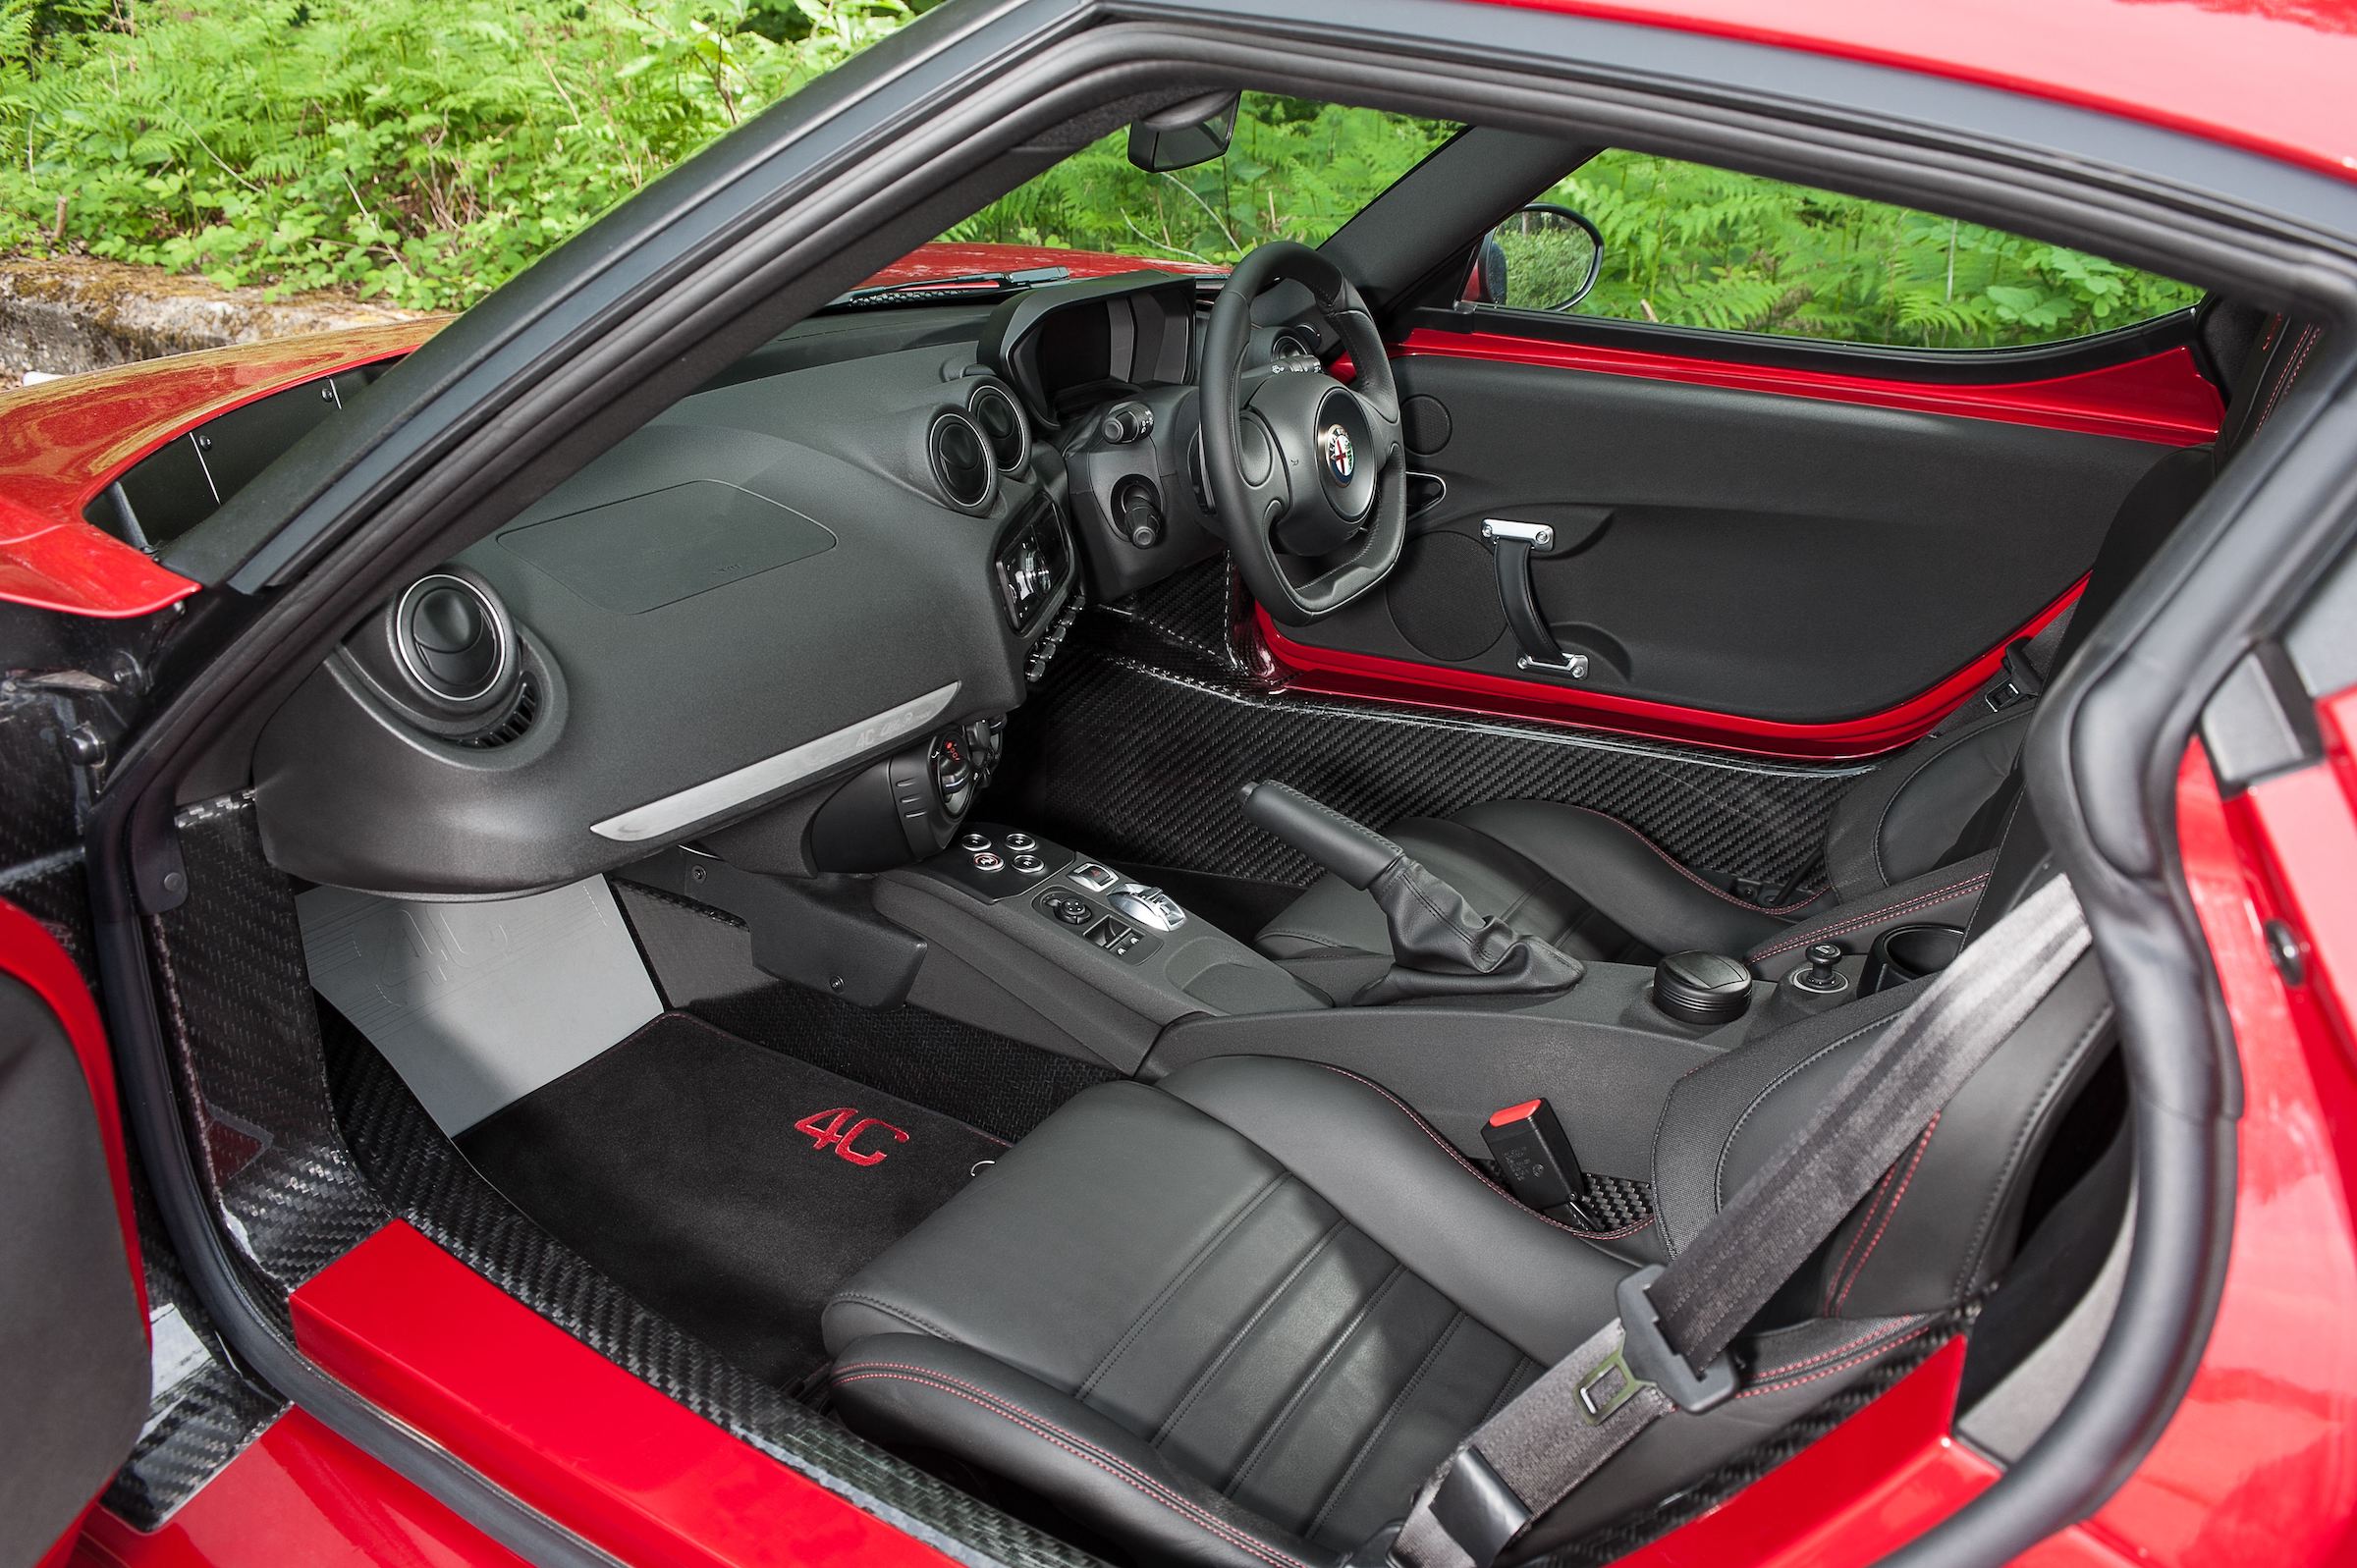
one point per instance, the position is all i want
(1238, 1316)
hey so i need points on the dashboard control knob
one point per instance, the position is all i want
(1126, 422)
(1138, 511)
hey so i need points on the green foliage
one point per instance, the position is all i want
(1705, 247)
(425, 150)
(1297, 170)
(420, 150)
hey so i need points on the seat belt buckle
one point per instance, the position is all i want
(1646, 1357)
(1534, 1155)
(2016, 681)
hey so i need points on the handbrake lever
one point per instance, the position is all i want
(1440, 946)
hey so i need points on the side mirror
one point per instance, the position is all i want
(1190, 132)
(1545, 257)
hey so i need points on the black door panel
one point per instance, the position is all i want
(1784, 558)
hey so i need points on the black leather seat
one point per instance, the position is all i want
(1907, 844)
(1235, 1317)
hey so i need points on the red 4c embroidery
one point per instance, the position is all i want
(841, 1128)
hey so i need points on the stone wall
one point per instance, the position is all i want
(76, 313)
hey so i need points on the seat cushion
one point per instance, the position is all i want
(1587, 882)
(1260, 1286)
(1237, 1318)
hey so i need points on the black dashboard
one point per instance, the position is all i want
(785, 620)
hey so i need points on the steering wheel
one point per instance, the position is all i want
(1299, 465)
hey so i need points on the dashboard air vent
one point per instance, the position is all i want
(1002, 425)
(512, 728)
(960, 457)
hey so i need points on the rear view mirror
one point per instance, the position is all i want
(1545, 257)
(1190, 132)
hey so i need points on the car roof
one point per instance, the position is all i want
(2272, 77)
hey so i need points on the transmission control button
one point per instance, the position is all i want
(984, 860)
(972, 841)
(1029, 865)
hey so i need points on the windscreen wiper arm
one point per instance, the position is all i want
(1022, 278)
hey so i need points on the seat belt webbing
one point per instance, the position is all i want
(1632, 1372)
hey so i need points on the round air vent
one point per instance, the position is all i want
(961, 460)
(1003, 424)
(453, 639)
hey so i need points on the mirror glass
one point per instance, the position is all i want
(1545, 257)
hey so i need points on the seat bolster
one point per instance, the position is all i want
(915, 1389)
(1903, 818)
(1629, 880)
(1946, 896)
(1539, 1285)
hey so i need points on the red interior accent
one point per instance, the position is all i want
(1513, 1113)
(434, 1345)
(1337, 672)
(299, 1495)
(32, 955)
(2162, 398)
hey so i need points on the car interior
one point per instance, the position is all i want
(1142, 887)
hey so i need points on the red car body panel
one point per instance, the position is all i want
(437, 1346)
(63, 442)
(297, 1495)
(2268, 76)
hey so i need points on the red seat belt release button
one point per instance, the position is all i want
(1534, 1155)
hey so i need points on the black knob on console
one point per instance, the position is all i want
(1821, 975)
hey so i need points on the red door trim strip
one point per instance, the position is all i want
(1337, 672)
(2162, 398)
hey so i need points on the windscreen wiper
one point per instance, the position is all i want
(916, 288)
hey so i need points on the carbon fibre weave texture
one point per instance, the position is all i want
(200, 1423)
(1143, 733)
(422, 1174)
(1618, 1201)
(238, 1012)
(702, 959)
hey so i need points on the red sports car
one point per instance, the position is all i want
(1431, 886)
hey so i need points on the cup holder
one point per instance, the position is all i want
(1909, 952)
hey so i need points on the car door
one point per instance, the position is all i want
(1795, 505)
(72, 1311)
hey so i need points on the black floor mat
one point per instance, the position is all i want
(673, 1163)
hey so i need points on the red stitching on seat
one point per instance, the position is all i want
(1842, 1366)
(1896, 1197)
(1085, 1451)
(1913, 901)
(1474, 1170)
(1824, 1304)
(1767, 1374)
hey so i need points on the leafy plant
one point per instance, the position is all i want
(418, 150)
